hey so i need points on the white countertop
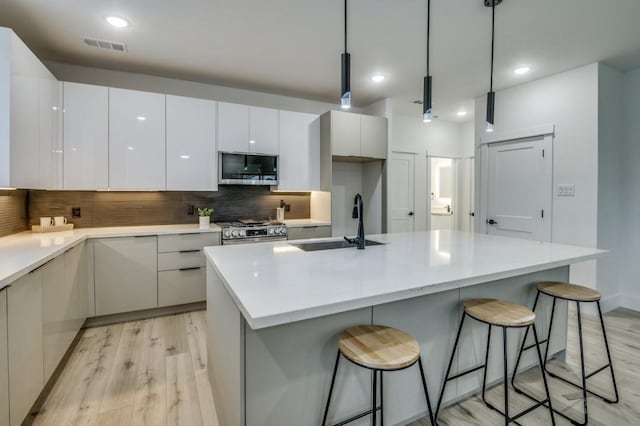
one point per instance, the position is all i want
(276, 283)
(301, 223)
(23, 252)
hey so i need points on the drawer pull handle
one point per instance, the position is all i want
(190, 269)
(310, 227)
(189, 251)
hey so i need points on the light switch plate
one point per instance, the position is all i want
(566, 190)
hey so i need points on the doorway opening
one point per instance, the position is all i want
(450, 197)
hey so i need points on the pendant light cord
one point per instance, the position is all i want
(493, 26)
(345, 26)
(428, 31)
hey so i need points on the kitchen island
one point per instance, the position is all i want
(274, 314)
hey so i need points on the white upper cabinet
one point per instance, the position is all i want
(299, 168)
(357, 135)
(136, 140)
(233, 127)
(345, 134)
(263, 130)
(373, 137)
(86, 137)
(243, 128)
(28, 115)
(191, 153)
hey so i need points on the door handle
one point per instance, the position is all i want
(472, 214)
(492, 222)
(410, 213)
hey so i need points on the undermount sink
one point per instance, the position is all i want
(331, 245)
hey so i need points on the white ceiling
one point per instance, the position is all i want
(293, 47)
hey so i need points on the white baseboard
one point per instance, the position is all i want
(630, 302)
(610, 303)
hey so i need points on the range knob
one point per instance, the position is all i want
(227, 233)
(283, 230)
(272, 231)
(243, 233)
(234, 233)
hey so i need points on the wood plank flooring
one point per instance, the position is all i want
(150, 372)
(153, 372)
(623, 332)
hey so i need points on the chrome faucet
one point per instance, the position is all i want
(358, 213)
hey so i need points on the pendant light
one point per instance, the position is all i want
(345, 93)
(426, 99)
(491, 96)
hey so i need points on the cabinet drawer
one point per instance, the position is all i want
(180, 287)
(306, 232)
(180, 259)
(183, 242)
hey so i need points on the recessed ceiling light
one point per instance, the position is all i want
(377, 78)
(185, 157)
(130, 148)
(252, 141)
(521, 70)
(117, 22)
(461, 113)
(141, 118)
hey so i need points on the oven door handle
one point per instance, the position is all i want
(253, 240)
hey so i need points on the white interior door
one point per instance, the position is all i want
(402, 192)
(520, 189)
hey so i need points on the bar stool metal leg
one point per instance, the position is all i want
(544, 377)
(374, 399)
(446, 376)
(584, 378)
(506, 377)
(606, 345)
(486, 362)
(381, 400)
(426, 391)
(333, 381)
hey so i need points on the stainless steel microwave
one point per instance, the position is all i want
(247, 169)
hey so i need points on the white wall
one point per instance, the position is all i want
(151, 83)
(611, 144)
(439, 139)
(630, 265)
(569, 101)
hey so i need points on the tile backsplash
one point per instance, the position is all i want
(159, 208)
(13, 211)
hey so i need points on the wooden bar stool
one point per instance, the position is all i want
(579, 294)
(506, 315)
(379, 349)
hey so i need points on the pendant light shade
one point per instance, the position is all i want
(427, 114)
(491, 96)
(346, 81)
(345, 88)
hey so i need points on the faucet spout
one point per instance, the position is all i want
(358, 212)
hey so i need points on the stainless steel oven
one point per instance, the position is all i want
(249, 231)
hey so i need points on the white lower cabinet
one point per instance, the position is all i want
(181, 267)
(4, 361)
(25, 338)
(126, 274)
(311, 231)
(59, 310)
(177, 287)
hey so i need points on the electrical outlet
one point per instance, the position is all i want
(191, 209)
(76, 212)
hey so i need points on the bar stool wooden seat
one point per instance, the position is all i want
(503, 314)
(578, 294)
(379, 349)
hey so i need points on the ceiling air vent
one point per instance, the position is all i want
(105, 44)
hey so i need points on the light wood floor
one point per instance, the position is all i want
(623, 332)
(153, 372)
(150, 372)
